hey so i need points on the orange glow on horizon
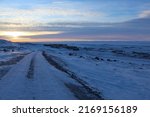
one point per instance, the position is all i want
(22, 36)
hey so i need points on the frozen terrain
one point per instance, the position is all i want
(75, 70)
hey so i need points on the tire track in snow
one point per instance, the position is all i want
(30, 74)
(41, 84)
(31, 80)
(48, 85)
(84, 91)
(14, 85)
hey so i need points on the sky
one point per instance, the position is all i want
(74, 20)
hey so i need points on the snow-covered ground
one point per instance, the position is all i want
(117, 70)
(76, 70)
(9, 55)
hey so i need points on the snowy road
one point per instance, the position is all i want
(33, 78)
(93, 72)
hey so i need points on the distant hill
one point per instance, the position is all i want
(2, 41)
(5, 43)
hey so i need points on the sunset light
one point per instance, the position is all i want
(13, 34)
(74, 20)
(25, 36)
(74, 50)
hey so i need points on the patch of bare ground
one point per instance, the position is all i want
(74, 48)
(12, 60)
(141, 55)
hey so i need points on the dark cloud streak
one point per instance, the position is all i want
(130, 30)
(126, 30)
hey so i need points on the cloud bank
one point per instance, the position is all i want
(76, 19)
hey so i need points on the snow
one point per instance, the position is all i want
(44, 84)
(13, 84)
(48, 81)
(125, 78)
(118, 70)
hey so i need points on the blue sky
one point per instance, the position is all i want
(80, 10)
(101, 19)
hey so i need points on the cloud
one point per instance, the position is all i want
(144, 14)
(132, 30)
(45, 14)
(137, 29)
(27, 20)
